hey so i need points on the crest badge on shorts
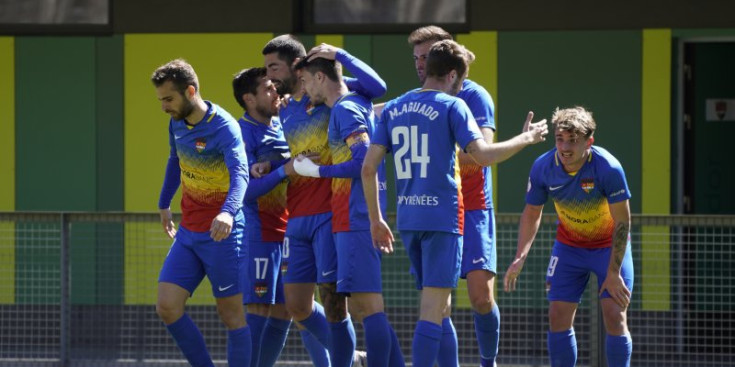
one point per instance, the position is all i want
(261, 289)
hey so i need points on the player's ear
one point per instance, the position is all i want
(190, 91)
(590, 141)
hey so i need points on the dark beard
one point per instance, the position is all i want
(186, 110)
(284, 87)
(264, 111)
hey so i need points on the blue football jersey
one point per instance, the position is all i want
(267, 215)
(477, 181)
(351, 114)
(422, 128)
(581, 199)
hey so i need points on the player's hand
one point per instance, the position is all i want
(288, 168)
(167, 221)
(260, 169)
(284, 101)
(615, 286)
(382, 236)
(324, 51)
(221, 226)
(536, 131)
(511, 275)
(306, 167)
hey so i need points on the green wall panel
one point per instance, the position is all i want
(55, 111)
(601, 71)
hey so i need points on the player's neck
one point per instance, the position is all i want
(436, 84)
(297, 91)
(334, 92)
(260, 118)
(197, 115)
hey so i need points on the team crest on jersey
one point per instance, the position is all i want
(284, 267)
(261, 289)
(588, 185)
(309, 108)
(200, 145)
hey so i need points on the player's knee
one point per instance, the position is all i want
(299, 311)
(482, 302)
(169, 312)
(232, 316)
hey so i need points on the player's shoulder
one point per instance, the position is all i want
(472, 89)
(352, 102)
(545, 161)
(604, 159)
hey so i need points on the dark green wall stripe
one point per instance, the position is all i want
(109, 113)
(55, 123)
(542, 70)
(56, 149)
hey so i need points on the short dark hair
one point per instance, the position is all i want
(179, 72)
(428, 33)
(287, 46)
(445, 56)
(247, 81)
(330, 68)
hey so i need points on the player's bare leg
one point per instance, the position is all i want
(486, 315)
(618, 343)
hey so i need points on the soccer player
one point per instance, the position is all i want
(208, 159)
(590, 194)
(423, 128)
(265, 213)
(351, 124)
(309, 254)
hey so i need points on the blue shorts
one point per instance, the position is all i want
(194, 255)
(569, 270)
(435, 257)
(263, 280)
(309, 255)
(479, 251)
(358, 262)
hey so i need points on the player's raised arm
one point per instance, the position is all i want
(487, 154)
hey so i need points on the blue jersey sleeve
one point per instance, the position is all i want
(462, 123)
(366, 82)
(172, 177)
(380, 135)
(536, 192)
(350, 121)
(481, 105)
(258, 187)
(614, 184)
(237, 165)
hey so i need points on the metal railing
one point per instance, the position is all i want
(79, 289)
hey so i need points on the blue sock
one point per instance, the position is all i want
(318, 352)
(619, 349)
(377, 339)
(487, 330)
(239, 347)
(191, 342)
(256, 324)
(396, 356)
(317, 325)
(343, 343)
(426, 339)
(448, 346)
(562, 348)
(272, 341)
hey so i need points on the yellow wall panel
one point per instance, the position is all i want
(7, 116)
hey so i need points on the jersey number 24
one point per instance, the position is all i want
(410, 151)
